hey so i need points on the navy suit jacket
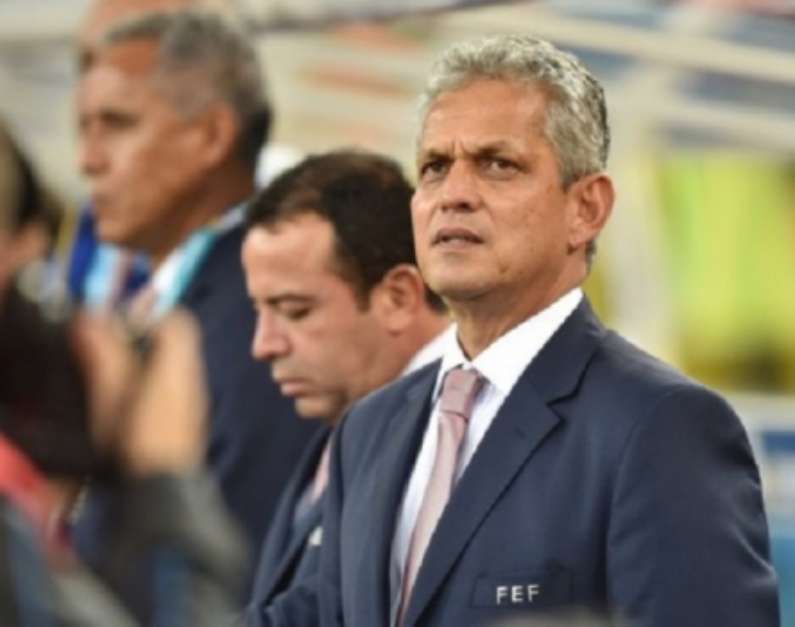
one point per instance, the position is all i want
(291, 550)
(254, 435)
(607, 481)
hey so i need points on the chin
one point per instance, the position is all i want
(459, 288)
(110, 233)
(312, 408)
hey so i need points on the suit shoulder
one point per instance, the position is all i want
(217, 294)
(391, 396)
(637, 373)
(625, 377)
(372, 413)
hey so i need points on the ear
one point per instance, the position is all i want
(590, 205)
(220, 128)
(398, 297)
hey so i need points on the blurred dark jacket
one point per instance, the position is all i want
(171, 528)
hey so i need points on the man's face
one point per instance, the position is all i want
(489, 213)
(322, 346)
(140, 155)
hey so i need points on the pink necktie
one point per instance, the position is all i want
(455, 406)
(320, 479)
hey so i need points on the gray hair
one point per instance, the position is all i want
(576, 117)
(212, 60)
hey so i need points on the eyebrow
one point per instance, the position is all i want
(274, 301)
(487, 148)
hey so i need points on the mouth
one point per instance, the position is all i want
(99, 202)
(455, 236)
(293, 387)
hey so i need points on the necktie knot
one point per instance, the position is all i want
(459, 390)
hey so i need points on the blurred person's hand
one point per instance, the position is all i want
(165, 430)
(111, 371)
(147, 414)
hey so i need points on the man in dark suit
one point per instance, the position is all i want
(584, 473)
(341, 310)
(172, 117)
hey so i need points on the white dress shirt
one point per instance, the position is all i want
(501, 364)
(176, 271)
(432, 351)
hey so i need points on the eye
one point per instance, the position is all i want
(295, 312)
(433, 169)
(118, 120)
(499, 165)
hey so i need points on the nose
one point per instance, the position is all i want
(91, 155)
(459, 190)
(270, 342)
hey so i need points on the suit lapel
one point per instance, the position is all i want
(401, 445)
(520, 427)
(286, 569)
(221, 263)
(283, 542)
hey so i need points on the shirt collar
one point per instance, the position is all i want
(505, 359)
(164, 276)
(431, 351)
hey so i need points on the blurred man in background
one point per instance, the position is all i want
(172, 116)
(341, 310)
(103, 276)
(75, 401)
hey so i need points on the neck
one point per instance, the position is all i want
(428, 326)
(432, 325)
(482, 321)
(205, 206)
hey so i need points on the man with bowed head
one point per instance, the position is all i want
(545, 463)
(341, 310)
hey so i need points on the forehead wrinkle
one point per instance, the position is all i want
(134, 58)
(533, 103)
(115, 83)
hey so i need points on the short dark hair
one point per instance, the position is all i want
(367, 200)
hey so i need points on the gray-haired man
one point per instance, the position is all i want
(564, 468)
(172, 116)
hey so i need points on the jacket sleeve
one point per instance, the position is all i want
(27, 589)
(173, 542)
(688, 541)
(175, 558)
